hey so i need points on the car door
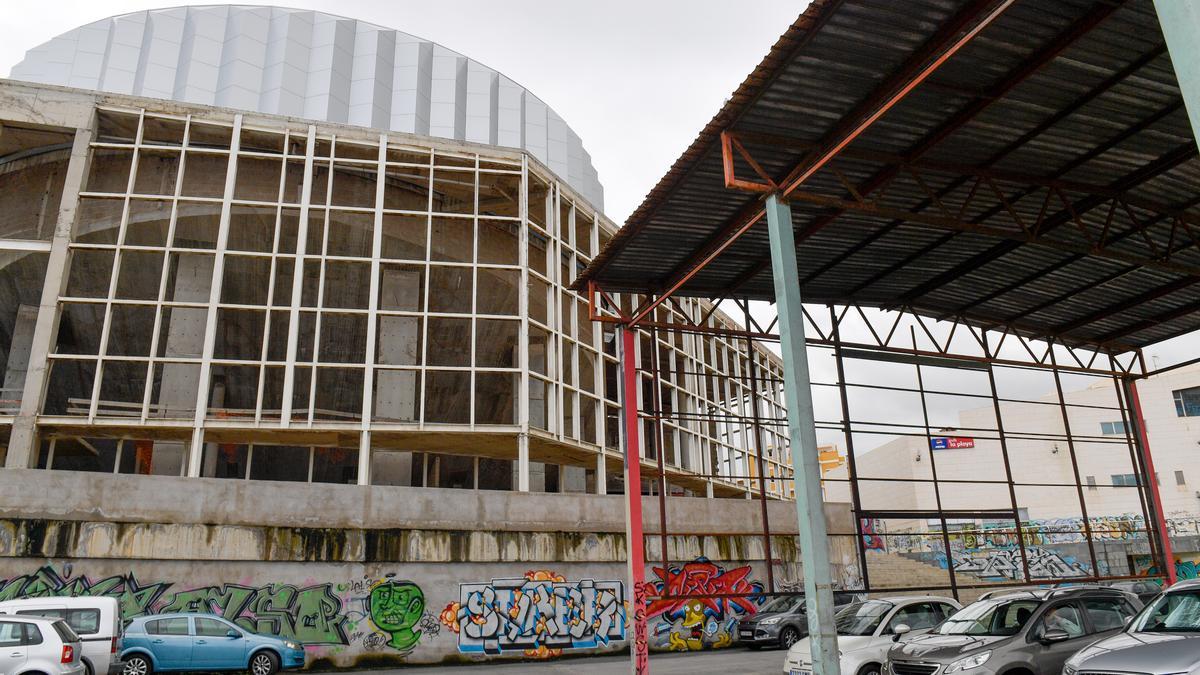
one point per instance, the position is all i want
(213, 648)
(171, 642)
(1066, 616)
(13, 650)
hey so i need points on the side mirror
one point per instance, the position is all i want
(900, 630)
(1052, 636)
(232, 634)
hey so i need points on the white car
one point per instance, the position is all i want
(95, 619)
(866, 630)
(31, 644)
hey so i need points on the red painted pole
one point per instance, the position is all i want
(1160, 520)
(634, 540)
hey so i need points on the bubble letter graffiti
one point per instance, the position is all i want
(540, 614)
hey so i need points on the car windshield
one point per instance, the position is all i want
(1171, 613)
(989, 617)
(783, 605)
(861, 618)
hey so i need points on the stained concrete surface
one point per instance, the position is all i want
(725, 661)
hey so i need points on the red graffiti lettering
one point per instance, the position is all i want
(731, 590)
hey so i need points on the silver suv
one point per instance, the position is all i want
(1032, 631)
(1163, 638)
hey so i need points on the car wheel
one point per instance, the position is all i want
(137, 665)
(264, 663)
(789, 637)
(869, 669)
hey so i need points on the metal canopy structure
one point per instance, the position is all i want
(1020, 169)
(1041, 180)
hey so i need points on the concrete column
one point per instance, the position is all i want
(1180, 21)
(20, 445)
(523, 469)
(18, 351)
(601, 475)
(814, 535)
(398, 343)
(185, 332)
(364, 459)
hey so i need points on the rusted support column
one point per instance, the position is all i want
(634, 540)
(1160, 520)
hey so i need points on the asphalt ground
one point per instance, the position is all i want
(725, 661)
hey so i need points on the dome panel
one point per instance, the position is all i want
(314, 65)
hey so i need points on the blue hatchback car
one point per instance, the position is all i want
(203, 642)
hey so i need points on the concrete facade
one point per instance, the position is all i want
(325, 564)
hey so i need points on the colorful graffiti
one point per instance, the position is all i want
(313, 614)
(872, 541)
(1187, 566)
(1039, 532)
(396, 608)
(695, 623)
(1006, 564)
(540, 614)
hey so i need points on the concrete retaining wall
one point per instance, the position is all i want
(382, 575)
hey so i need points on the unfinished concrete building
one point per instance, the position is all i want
(375, 295)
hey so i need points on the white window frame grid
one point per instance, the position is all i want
(567, 347)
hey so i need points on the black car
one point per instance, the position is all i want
(782, 621)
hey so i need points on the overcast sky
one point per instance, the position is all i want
(636, 80)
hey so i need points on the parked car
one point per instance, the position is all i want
(867, 629)
(35, 644)
(95, 619)
(782, 621)
(1163, 638)
(205, 642)
(1026, 631)
(1145, 590)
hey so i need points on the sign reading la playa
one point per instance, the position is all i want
(950, 442)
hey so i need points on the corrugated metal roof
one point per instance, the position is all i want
(1044, 178)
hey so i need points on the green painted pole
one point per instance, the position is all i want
(1180, 21)
(806, 470)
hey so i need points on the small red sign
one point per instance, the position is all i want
(951, 442)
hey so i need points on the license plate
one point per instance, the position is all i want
(747, 633)
(797, 671)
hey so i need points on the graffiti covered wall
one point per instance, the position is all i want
(538, 615)
(372, 614)
(381, 616)
(695, 623)
(1187, 565)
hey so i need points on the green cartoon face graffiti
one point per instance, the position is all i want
(396, 607)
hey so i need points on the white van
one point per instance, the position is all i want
(96, 619)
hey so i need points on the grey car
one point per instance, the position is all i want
(1027, 632)
(1163, 638)
(782, 621)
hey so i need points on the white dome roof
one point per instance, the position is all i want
(312, 65)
